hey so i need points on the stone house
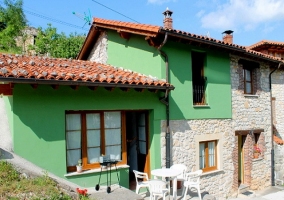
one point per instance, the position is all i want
(151, 96)
(276, 49)
(27, 38)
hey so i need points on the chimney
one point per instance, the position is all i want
(228, 37)
(168, 21)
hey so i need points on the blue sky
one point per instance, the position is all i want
(251, 20)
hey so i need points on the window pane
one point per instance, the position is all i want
(112, 136)
(141, 119)
(211, 149)
(73, 156)
(201, 155)
(73, 139)
(248, 88)
(248, 75)
(93, 138)
(142, 134)
(73, 122)
(94, 155)
(93, 121)
(114, 152)
(112, 119)
(142, 147)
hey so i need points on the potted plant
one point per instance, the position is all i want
(256, 151)
(79, 166)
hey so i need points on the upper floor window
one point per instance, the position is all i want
(248, 84)
(249, 77)
(198, 78)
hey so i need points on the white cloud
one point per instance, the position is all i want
(159, 1)
(245, 14)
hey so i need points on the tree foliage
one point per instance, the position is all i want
(48, 41)
(12, 22)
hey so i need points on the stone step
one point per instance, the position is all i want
(246, 194)
(243, 188)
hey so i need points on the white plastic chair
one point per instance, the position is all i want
(141, 180)
(158, 188)
(192, 181)
(180, 177)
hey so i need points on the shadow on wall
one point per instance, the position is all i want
(5, 154)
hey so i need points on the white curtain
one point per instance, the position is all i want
(211, 151)
(73, 138)
(113, 134)
(201, 155)
(93, 137)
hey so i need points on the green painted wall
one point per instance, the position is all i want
(134, 54)
(137, 55)
(39, 122)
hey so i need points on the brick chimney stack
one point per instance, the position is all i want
(168, 21)
(228, 37)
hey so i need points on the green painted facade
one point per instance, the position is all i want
(137, 55)
(39, 123)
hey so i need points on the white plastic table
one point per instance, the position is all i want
(168, 173)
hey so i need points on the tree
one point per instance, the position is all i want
(49, 42)
(13, 21)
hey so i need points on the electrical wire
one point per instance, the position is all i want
(54, 20)
(115, 11)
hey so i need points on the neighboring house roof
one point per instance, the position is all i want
(44, 70)
(277, 140)
(156, 34)
(266, 43)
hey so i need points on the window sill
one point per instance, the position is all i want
(212, 172)
(90, 171)
(251, 95)
(201, 106)
(257, 159)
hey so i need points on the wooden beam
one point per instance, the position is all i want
(246, 132)
(124, 35)
(139, 89)
(34, 86)
(6, 89)
(125, 89)
(55, 87)
(93, 88)
(153, 90)
(109, 88)
(74, 87)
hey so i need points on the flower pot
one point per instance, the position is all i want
(79, 169)
(255, 155)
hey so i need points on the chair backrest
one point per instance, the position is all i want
(140, 176)
(194, 176)
(157, 186)
(180, 167)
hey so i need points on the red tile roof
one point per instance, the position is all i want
(265, 42)
(154, 31)
(277, 140)
(140, 29)
(19, 68)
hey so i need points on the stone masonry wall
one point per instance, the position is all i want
(278, 93)
(249, 112)
(184, 149)
(253, 112)
(99, 51)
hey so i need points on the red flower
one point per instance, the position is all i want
(82, 192)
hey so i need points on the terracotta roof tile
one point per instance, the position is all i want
(142, 29)
(151, 30)
(34, 68)
(277, 140)
(263, 42)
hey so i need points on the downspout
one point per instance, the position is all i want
(165, 100)
(272, 141)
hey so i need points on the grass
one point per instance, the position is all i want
(14, 186)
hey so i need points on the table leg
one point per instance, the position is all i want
(175, 188)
